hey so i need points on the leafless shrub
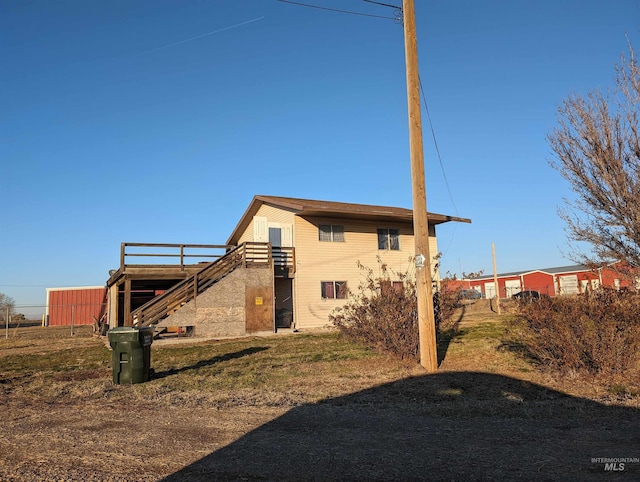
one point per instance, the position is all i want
(445, 303)
(383, 313)
(593, 334)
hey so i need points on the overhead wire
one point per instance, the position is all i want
(435, 143)
(197, 37)
(444, 174)
(433, 133)
(424, 98)
(336, 10)
(383, 4)
(399, 18)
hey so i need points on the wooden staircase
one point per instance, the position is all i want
(246, 255)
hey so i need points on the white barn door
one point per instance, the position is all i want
(568, 284)
(512, 286)
(489, 290)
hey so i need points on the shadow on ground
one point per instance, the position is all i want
(447, 426)
(211, 361)
(444, 339)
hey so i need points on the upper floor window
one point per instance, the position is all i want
(388, 239)
(331, 232)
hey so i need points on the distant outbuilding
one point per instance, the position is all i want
(562, 280)
(75, 306)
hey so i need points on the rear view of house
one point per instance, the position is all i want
(287, 264)
(327, 240)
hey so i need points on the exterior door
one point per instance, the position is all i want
(585, 285)
(568, 284)
(275, 237)
(512, 286)
(284, 302)
(489, 290)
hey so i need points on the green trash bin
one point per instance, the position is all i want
(131, 354)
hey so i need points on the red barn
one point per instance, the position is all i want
(75, 306)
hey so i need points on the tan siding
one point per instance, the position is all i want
(273, 215)
(318, 261)
(433, 251)
(247, 235)
(337, 261)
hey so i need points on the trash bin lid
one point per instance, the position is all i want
(124, 329)
(124, 333)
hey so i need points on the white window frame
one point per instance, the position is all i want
(389, 234)
(335, 233)
(338, 288)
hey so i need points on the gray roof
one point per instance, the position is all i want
(566, 269)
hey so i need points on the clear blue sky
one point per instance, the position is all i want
(157, 121)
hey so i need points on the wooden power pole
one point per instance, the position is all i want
(495, 276)
(426, 318)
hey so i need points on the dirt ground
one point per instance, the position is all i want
(481, 417)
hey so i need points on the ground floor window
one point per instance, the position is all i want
(387, 286)
(333, 289)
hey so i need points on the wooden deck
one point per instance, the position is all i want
(155, 279)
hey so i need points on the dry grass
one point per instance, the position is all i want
(303, 407)
(270, 371)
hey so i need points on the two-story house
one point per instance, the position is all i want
(289, 262)
(328, 241)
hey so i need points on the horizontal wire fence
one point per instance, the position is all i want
(76, 316)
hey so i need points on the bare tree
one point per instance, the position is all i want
(6, 302)
(597, 150)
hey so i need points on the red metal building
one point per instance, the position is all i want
(75, 306)
(551, 281)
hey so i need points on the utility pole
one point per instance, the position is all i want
(426, 318)
(495, 276)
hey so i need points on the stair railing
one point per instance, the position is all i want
(249, 254)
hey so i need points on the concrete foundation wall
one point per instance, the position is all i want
(221, 310)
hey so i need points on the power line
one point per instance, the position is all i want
(336, 10)
(199, 36)
(433, 134)
(444, 174)
(384, 4)
(435, 142)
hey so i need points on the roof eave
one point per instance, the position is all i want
(372, 212)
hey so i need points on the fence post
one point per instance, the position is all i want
(73, 310)
(6, 330)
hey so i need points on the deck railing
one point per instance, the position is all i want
(187, 254)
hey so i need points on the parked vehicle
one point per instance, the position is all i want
(527, 295)
(470, 294)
